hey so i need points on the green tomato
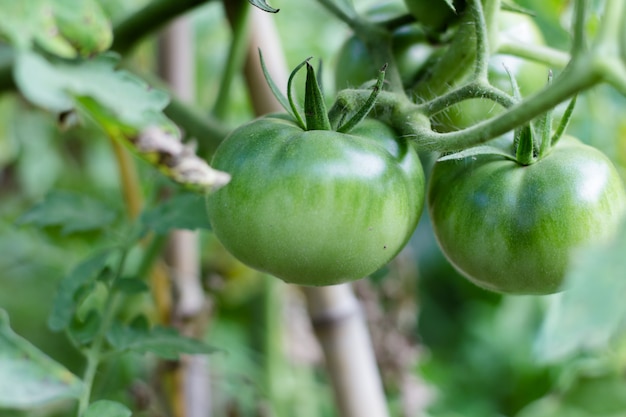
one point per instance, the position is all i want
(410, 51)
(530, 76)
(316, 207)
(435, 15)
(511, 228)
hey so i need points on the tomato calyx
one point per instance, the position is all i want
(316, 116)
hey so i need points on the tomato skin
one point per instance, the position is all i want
(316, 207)
(511, 228)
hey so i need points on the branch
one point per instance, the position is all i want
(148, 19)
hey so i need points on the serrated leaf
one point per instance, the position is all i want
(71, 211)
(162, 341)
(25, 23)
(84, 331)
(56, 85)
(106, 408)
(591, 311)
(262, 4)
(183, 211)
(28, 377)
(476, 151)
(64, 304)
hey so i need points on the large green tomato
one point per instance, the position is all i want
(512, 228)
(316, 207)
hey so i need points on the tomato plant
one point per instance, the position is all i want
(513, 228)
(316, 207)
(529, 76)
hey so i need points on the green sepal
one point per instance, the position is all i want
(567, 116)
(292, 101)
(314, 105)
(367, 106)
(275, 89)
(525, 152)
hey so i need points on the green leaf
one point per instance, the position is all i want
(28, 377)
(57, 85)
(591, 312)
(131, 286)
(61, 27)
(71, 211)
(64, 304)
(25, 23)
(183, 211)
(84, 25)
(162, 341)
(106, 408)
(84, 331)
(475, 151)
(262, 4)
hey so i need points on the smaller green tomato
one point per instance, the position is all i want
(316, 207)
(511, 228)
(410, 51)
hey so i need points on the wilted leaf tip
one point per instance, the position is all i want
(179, 160)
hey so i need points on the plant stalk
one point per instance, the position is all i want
(191, 391)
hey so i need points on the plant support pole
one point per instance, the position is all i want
(334, 311)
(192, 396)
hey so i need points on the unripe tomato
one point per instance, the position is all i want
(316, 207)
(410, 51)
(512, 228)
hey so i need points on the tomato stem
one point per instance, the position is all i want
(476, 89)
(482, 40)
(239, 11)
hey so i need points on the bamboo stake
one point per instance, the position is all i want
(334, 311)
(192, 384)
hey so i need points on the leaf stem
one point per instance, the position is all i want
(239, 12)
(478, 89)
(576, 77)
(551, 57)
(482, 41)
(95, 352)
(148, 19)
(578, 29)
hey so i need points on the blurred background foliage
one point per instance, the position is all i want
(443, 345)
